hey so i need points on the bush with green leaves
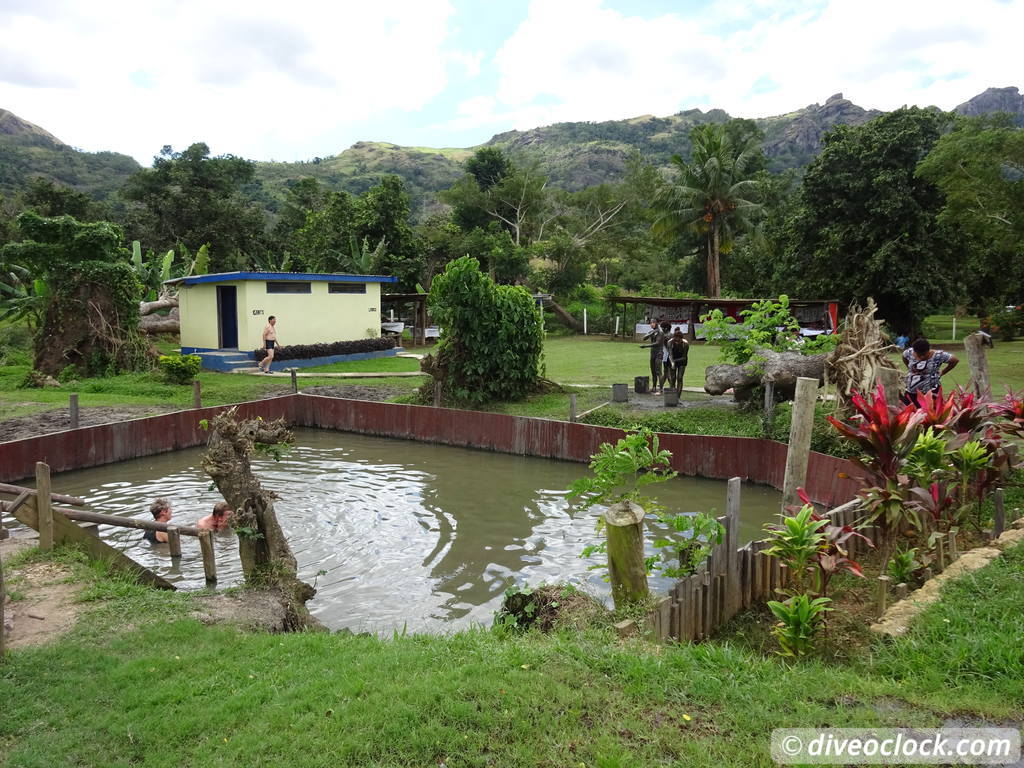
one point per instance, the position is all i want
(491, 345)
(800, 617)
(766, 325)
(180, 369)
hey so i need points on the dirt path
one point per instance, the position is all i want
(40, 603)
(59, 419)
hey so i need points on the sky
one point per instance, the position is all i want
(302, 79)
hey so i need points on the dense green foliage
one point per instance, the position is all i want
(89, 311)
(491, 344)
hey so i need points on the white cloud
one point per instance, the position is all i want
(580, 60)
(246, 77)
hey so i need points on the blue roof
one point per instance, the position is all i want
(305, 277)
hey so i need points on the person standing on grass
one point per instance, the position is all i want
(657, 339)
(161, 511)
(923, 369)
(269, 343)
(216, 520)
(678, 355)
(666, 364)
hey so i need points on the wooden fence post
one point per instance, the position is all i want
(437, 393)
(799, 439)
(732, 542)
(73, 410)
(44, 506)
(209, 562)
(626, 568)
(174, 541)
(572, 409)
(883, 593)
(295, 383)
(999, 514)
(197, 394)
(769, 406)
(978, 363)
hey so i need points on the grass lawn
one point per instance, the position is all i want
(139, 683)
(376, 365)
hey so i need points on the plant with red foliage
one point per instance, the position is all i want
(960, 411)
(885, 434)
(1012, 411)
(936, 503)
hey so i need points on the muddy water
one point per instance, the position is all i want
(394, 533)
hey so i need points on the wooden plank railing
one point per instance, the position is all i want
(35, 508)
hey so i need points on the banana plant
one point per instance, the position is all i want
(22, 297)
(151, 273)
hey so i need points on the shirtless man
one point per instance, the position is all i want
(269, 342)
(217, 520)
(161, 511)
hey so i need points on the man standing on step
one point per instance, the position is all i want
(269, 343)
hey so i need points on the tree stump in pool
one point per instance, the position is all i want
(626, 568)
(267, 559)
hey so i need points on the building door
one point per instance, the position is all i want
(227, 316)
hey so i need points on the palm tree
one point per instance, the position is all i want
(710, 195)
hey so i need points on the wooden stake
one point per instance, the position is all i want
(769, 405)
(209, 562)
(940, 555)
(44, 507)
(999, 514)
(799, 439)
(883, 593)
(73, 410)
(295, 382)
(572, 409)
(174, 541)
(197, 394)
(901, 591)
(437, 393)
(627, 571)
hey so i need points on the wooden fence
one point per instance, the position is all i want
(732, 579)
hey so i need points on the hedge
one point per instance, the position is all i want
(309, 351)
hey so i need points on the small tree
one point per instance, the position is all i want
(491, 343)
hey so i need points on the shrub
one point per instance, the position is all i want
(491, 345)
(180, 369)
(310, 351)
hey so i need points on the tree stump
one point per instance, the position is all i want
(626, 568)
(267, 559)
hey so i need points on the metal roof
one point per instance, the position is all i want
(304, 277)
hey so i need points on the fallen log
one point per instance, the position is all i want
(169, 323)
(780, 368)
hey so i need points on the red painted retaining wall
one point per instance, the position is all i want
(759, 461)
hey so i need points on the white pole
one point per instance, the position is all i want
(584, 321)
(954, 327)
(616, 325)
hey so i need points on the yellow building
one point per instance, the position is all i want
(229, 311)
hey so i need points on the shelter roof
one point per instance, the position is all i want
(673, 302)
(305, 277)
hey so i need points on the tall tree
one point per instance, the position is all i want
(867, 224)
(979, 168)
(710, 194)
(382, 215)
(189, 198)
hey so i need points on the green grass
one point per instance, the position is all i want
(377, 365)
(596, 360)
(939, 328)
(139, 683)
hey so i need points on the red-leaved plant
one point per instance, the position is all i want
(1011, 410)
(960, 411)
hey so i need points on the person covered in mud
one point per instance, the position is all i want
(678, 355)
(656, 337)
(161, 511)
(218, 520)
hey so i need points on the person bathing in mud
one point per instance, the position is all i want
(161, 511)
(678, 355)
(269, 344)
(218, 520)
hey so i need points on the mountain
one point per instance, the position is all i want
(1008, 100)
(573, 155)
(26, 150)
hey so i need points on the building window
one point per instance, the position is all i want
(289, 286)
(346, 287)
